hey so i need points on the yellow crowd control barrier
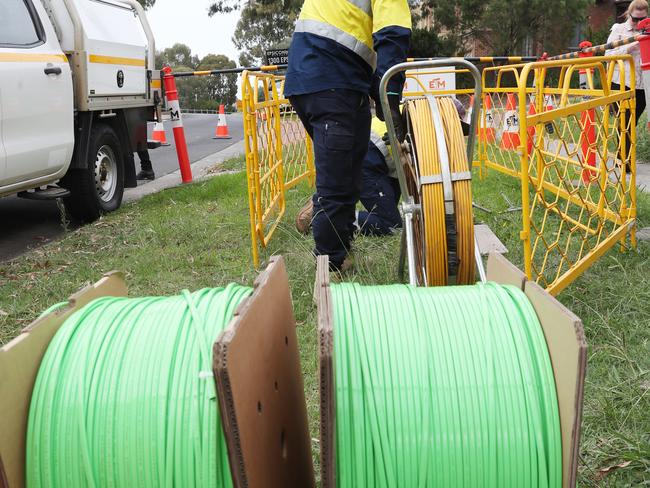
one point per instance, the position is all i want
(279, 154)
(557, 126)
(560, 128)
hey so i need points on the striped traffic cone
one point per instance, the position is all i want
(531, 130)
(159, 134)
(510, 138)
(221, 131)
(588, 143)
(487, 133)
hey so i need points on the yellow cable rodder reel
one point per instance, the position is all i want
(434, 171)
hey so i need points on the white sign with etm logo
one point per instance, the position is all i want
(430, 80)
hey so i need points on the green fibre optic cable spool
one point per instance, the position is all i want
(125, 395)
(443, 387)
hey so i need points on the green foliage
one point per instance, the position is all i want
(599, 36)
(201, 92)
(262, 27)
(505, 25)
(225, 6)
(177, 55)
(146, 3)
(426, 43)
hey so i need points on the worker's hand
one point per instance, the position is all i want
(396, 115)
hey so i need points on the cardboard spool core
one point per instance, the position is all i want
(261, 390)
(257, 369)
(565, 339)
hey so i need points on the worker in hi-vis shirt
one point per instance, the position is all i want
(339, 52)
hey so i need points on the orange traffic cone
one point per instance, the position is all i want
(510, 138)
(531, 130)
(159, 134)
(588, 143)
(222, 127)
(487, 133)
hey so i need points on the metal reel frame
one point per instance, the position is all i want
(411, 195)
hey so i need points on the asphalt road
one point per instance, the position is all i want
(28, 224)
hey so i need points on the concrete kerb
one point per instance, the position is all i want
(205, 167)
(201, 169)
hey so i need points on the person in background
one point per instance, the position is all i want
(339, 51)
(636, 12)
(380, 190)
(146, 168)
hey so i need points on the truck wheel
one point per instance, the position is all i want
(98, 188)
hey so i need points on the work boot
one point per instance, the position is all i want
(304, 217)
(347, 266)
(146, 174)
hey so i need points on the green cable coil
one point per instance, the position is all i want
(443, 387)
(125, 395)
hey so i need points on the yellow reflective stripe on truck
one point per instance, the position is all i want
(32, 58)
(96, 58)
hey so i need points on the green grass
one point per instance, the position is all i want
(198, 236)
(643, 140)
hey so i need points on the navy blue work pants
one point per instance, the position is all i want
(338, 121)
(379, 195)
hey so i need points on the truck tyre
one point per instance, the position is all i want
(97, 188)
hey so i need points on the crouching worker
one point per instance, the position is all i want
(380, 191)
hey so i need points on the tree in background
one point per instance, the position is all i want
(226, 6)
(217, 89)
(264, 24)
(146, 3)
(505, 25)
(599, 36)
(427, 43)
(260, 28)
(200, 92)
(177, 55)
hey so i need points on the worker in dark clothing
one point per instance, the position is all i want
(380, 191)
(146, 169)
(339, 52)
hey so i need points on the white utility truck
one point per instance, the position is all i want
(77, 87)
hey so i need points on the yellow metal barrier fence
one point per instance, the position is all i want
(279, 154)
(573, 147)
(569, 140)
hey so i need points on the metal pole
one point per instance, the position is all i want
(479, 261)
(410, 249)
(227, 71)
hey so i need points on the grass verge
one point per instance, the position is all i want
(198, 235)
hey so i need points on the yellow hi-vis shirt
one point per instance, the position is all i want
(352, 23)
(377, 131)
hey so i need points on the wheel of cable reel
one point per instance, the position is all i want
(443, 230)
(410, 168)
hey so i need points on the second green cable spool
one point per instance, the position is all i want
(125, 395)
(443, 387)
